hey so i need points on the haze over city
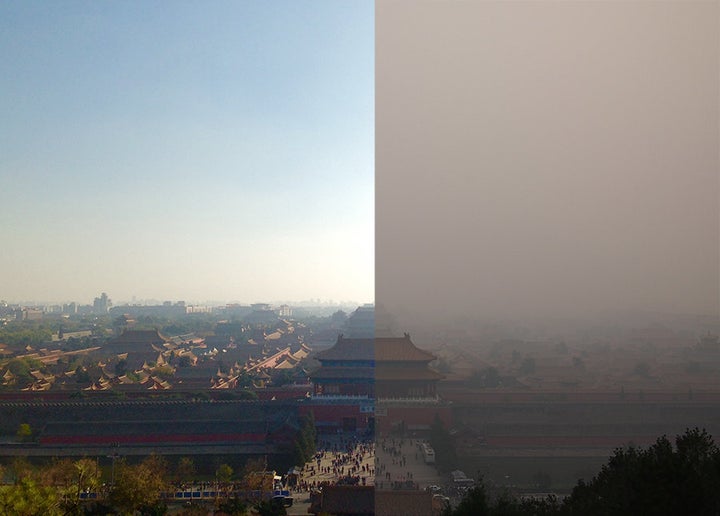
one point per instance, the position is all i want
(339, 258)
(539, 160)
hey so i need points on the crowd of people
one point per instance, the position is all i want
(339, 460)
(392, 463)
(354, 461)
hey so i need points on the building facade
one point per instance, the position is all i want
(388, 378)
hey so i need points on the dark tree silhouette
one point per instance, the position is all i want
(664, 479)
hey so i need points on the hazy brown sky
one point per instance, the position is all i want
(547, 158)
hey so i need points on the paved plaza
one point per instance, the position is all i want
(399, 463)
(389, 463)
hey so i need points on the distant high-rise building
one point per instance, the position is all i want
(28, 314)
(285, 311)
(102, 304)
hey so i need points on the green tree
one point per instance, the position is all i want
(304, 446)
(21, 367)
(73, 478)
(81, 375)
(19, 335)
(24, 432)
(26, 498)
(246, 394)
(88, 474)
(282, 377)
(121, 367)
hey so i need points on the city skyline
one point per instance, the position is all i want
(187, 152)
(154, 301)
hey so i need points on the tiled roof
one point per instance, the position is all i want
(389, 349)
(382, 349)
(349, 349)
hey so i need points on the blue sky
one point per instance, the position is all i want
(187, 150)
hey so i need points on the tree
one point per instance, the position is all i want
(75, 477)
(88, 474)
(442, 443)
(224, 473)
(138, 487)
(662, 479)
(21, 469)
(244, 380)
(24, 432)
(247, 394)
(542, 480)
(233, 506)
(185, 469)
(282, 377)
(253, 465)
(481, 501)
(20, 335)
(59, 473)
(474, 503)
(26, 498)
(21, 367)
(304, 446)
(81, 375)
(270, 508)
(339, 317)
(121, 367)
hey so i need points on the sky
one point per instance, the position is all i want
(547, 159)
(192, 151)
